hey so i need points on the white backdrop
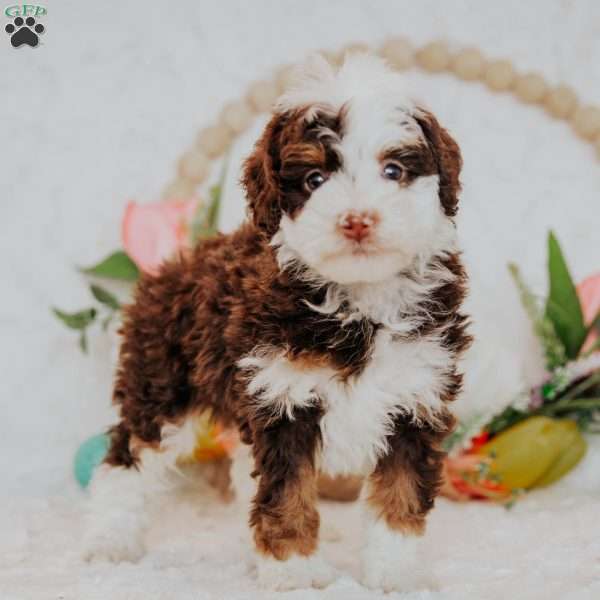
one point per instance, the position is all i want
(99, 112)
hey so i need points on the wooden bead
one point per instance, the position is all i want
(561, 102)
(399, 53)
(332, 57)
(262, 95)
(468, 64)
(531, 88)
(355, 48)
(180, 189)
(586, 122)
(214, 140)
(284, 77)
(194, 165)
(434, 57)
(499, 75)
(237, 116)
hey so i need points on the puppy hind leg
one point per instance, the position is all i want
(242, 482)
(116, 519)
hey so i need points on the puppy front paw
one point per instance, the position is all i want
(297, 572)
(393, 576)
(392, 562)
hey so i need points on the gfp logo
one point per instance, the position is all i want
(24, 30)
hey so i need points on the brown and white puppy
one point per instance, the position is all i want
(326, 328)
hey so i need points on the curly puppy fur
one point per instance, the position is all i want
(326, 351)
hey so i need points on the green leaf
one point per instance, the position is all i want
(115, 266)
(104, 297)
(554, 350)
(77, 320)
(563, 307)
(216, 191)
(205, 223)
(507, 418)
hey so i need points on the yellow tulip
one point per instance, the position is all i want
(535, 452)
(574, 448)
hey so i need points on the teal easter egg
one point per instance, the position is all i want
(90, 454)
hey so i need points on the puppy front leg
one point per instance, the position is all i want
(400, 492)
(284, 516)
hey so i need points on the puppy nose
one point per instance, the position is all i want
(357, 226)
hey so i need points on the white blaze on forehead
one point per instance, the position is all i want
(362, 77)
(377, 113)
(371, 93)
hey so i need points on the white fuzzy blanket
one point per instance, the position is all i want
(547, 547)
(98, 113)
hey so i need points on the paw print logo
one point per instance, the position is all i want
(24, 32)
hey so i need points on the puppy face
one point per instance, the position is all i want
(353, 180)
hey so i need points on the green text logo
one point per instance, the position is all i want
(25, 10)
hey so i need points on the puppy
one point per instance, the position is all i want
(326, 329)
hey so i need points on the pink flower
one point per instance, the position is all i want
(589, 296)
(154, 232)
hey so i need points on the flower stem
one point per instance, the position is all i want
(581, 387)
(569, 405)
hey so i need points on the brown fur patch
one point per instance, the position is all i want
(447, 157)
(340, 488)
(290, 147)
(445, 317)
(407, 479)
(190, 324)
(417, 159)
(284, 514)
(119, 453)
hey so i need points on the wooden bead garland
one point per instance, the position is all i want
(355, 48)
(237, 116)
(467, 64)
(499, 75)
(399, 53)
(531, 88)
(586, 122)
(214, 140)
(434, 57)
(179, 189)
(561, 102)
(262, 95)
(284, 77)
(194, 166)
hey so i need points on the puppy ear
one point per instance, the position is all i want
(448, 159)
(260, 177)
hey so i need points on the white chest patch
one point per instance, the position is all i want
(402, 377)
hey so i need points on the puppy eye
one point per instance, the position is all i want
(314, 180)
(393, 171)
